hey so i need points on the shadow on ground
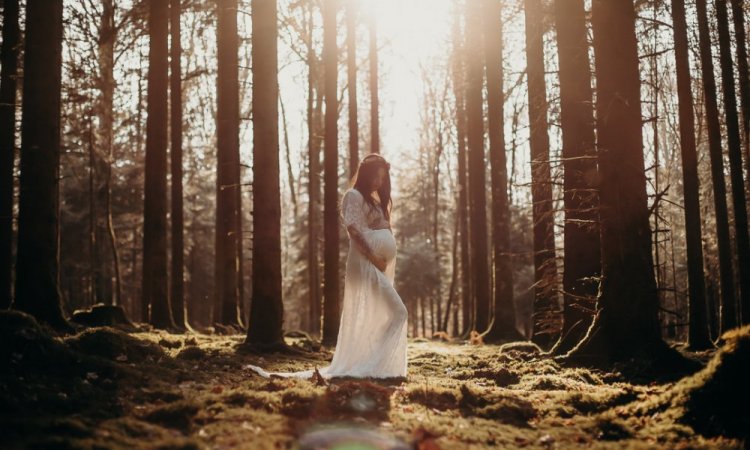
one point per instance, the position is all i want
(105, 388)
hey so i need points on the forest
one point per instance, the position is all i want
(571, 182)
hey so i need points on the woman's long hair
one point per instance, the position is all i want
(362, 181)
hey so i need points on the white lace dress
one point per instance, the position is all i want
(372, 333)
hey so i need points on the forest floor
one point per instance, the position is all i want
(104, 388)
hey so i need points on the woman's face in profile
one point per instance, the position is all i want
(377, 181)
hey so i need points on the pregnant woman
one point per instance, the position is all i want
(372, 333)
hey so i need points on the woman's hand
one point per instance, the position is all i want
(379, 262)
(360, 241)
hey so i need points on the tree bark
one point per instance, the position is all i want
(37, 264)
(458, 75)
(545, 323)
(436, 226)
(503, 327)
(226, 306)
(266, 307)
(177, 293)
(582, 256)
(374, 100)
(94, 267)
(155, 275)
(8, 84)
(627, 319)
(739, 200)
(740, 36)
(476, 163)
(698, 337)
(107, 40)
(728, 308)
(330, 195)
(449, 306)
(313, 148)
(738, 15)
(351, 71)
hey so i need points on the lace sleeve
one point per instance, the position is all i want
(352, 210)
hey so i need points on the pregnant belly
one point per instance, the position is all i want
(382, 243)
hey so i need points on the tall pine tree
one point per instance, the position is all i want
(154, 290)
(8, 77)
(266, 306)
(37, 264)
(627, 319)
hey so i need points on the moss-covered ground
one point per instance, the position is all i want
(104, 388)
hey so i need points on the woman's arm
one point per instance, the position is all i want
(364, 247)
(355, 222)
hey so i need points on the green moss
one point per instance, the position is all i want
(114, 344)
(716, 400)
(297, 402)
(501, 407)
(501, 376)
(178, 415)
(195, 395)
(170, 343)
(611, 429)
(191, 353)
(435, 397)
(25, 346)
(521, 347)
(601, 399)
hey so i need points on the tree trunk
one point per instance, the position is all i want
(728, 309)
(742, 238)
(177, 293)
(698, 328)
(351, 71)
(545, 320)
(313, 149)
(738, 14)
(503, 327)
(458, 76)
(155, 192)
(475, 133)
(240, 253)
(107, 40)
(740, 36)
(374, 101)
(226, 306)
(627, 320)
(266, 307)
(436, 225)
(476, 162)
(37, 264)
(94, 266)
(449, 306)
(330, 195)
(582, 257)
(8, 78)
(432, 314)
(288, 159)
